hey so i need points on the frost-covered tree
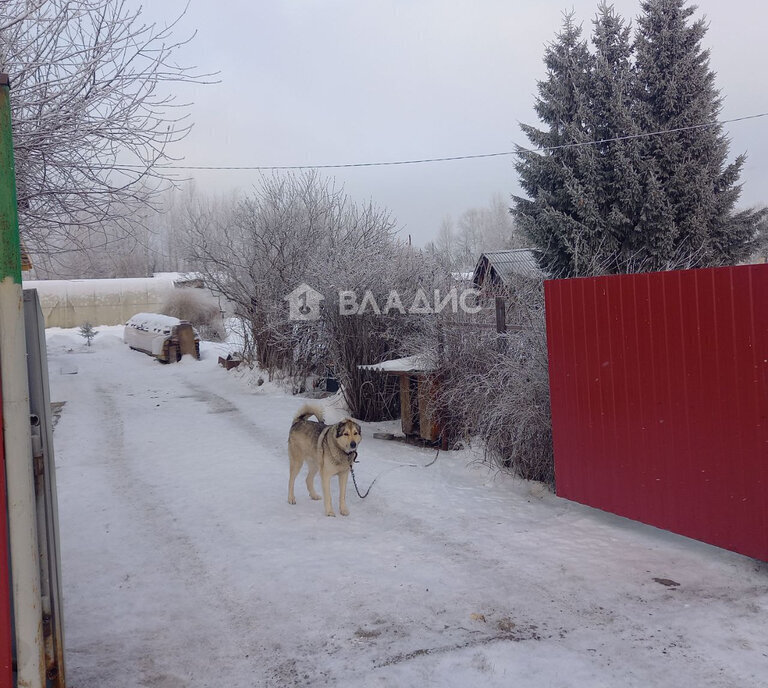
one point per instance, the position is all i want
(301, 228)
(617, 158)
(92, 115)
(610, 193)
(487, 228)
(690, 188)
(87, 332)
(557, 180)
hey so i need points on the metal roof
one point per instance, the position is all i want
(507, 264)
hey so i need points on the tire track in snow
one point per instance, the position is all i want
(269, 660)
(432, 636)
(177, 557)
(305, 662)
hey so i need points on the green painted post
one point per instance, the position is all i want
(10, 251)
(17, 440)
(6, 625)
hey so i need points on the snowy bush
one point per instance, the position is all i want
(198, 308)
(295, 229)
(495, 388)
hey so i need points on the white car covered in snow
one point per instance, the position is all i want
(162, 336)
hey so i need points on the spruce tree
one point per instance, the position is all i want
(583, 199)
(688, 215)
(624, 198)
(612, 124)
(552, 216)
(87, 332)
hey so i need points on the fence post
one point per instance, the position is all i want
(501, 324)
(17, 441)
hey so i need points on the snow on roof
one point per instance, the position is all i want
(180, 278)
(170, 275)
(99, 287)
(152, 322)
(462, 276)
(418, 363)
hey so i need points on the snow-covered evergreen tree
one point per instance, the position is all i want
(618, 192)
(691, 190)
(618, 200)
(552, 215)
(87, 332)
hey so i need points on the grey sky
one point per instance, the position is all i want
(307, 82)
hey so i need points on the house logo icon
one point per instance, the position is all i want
(304, 303)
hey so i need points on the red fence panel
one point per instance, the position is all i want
(659, 392)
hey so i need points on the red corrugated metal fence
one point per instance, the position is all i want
(659, 389)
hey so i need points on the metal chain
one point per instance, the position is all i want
(353, 460)
(357, 489)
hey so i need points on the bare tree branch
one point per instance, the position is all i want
(92, 115)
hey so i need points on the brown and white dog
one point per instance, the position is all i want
(327, 449)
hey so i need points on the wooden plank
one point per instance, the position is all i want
(405, 405)
(428, 429)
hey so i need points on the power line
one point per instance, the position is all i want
(642, 135)
(451, 158)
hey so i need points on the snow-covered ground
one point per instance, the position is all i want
(184, 565)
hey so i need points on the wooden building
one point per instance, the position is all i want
(497, 271)
(417, 384)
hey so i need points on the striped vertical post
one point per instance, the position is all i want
(17, 441)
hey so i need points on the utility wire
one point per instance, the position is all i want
(519, 150)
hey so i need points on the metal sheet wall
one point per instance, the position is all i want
(659, 392)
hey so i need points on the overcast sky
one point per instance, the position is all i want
(315, 82)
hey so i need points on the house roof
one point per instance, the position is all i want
(506, 264)
(410, 364)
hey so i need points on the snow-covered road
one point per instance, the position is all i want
(184, 565)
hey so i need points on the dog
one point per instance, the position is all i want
(328, 449)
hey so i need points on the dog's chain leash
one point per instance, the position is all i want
(352, 456)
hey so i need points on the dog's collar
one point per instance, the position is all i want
(352, 456)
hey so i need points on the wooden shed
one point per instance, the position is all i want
(497, 270)
(417, 385)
